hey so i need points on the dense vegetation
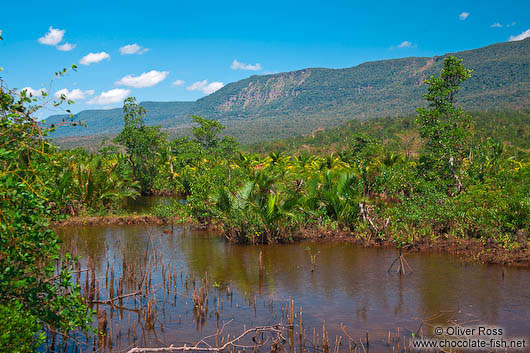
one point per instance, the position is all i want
(35, 298)
(293, 103)
(456, 183)
(400, 134)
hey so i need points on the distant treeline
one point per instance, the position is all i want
(400, 134)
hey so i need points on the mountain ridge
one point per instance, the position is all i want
(296, 102)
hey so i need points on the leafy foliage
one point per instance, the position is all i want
(20, 331)
(28, 248)
(90, 182)
(142, 143)
(444, 126)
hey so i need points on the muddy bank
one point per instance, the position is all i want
(77, 221)
(486, 252)
(477, 250)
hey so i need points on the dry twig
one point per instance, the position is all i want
(276, 329)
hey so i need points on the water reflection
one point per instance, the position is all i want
(349, 284)
(145, 204)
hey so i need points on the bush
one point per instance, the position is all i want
(20, 331)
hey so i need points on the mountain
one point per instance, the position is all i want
(292, 103)
(110, 121)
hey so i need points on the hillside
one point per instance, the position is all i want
(110, 121)
(293, 103)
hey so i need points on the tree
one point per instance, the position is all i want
(207, 131)
(142, 143)
(206, 134)
(34, 299)
(443, 125)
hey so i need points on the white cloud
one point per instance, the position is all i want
(405, 44)
(33, 92)
(53, 37)
(66, 47)
(92, 58)
(132, 49)
(500, 25)
(116, 95)
(205, 87)
(236, 65)
(147, 79)
(178, 83)
(524, 35)
(75, 94)
(463, 16)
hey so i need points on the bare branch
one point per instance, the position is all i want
(109, 301)
(277, 329)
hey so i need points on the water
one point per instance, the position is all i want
(145, 204)
(347, 284)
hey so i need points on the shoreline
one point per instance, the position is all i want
(473, 250)
(469, 250)
(81, 221)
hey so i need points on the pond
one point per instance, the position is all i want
(329, 282)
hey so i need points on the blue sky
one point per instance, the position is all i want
(170, 51)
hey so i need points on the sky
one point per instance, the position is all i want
(184, 50)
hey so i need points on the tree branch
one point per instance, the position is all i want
(274, 328)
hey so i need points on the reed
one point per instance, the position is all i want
(144, 290)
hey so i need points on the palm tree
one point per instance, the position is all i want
(257, 211)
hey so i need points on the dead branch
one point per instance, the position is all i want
(109, 301)
(277, 329)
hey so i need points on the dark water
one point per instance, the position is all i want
(145, 204)
(348, 285)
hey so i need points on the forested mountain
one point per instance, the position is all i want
(293, 103)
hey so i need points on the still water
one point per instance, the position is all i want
(344, 284)
(145, 204)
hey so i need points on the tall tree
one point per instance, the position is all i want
(207, 131)
(445, 126)
(207, 135)
(142, 143)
